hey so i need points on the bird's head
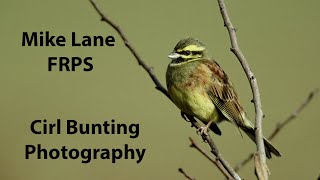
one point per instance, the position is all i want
(188, 49)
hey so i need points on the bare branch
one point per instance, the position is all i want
(243, 162)
(149, 70)
(254, 87)
(222, 162)
(214, 161)
(185, 174)
(294, 114)
(159, 87)
(281, 125)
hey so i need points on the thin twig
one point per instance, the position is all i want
(254, 88)
(281, 125)
(294, 114)
(215, 151)
(243, 162)
(132, 50)
(161, 88)
(185, 174)
(214, 161)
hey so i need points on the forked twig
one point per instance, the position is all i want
(281, 125)
(294, 114)
(214, 161)
(215, 151)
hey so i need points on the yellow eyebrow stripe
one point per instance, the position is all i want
(192, 48)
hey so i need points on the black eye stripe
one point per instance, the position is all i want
(187, 52)
(196, 52)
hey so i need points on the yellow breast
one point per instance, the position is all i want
(194, 102)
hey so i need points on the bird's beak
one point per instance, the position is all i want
(174, 55)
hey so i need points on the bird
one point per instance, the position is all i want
(199, 87)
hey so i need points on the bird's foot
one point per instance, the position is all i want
(204, 129)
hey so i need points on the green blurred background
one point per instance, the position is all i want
(279, 38)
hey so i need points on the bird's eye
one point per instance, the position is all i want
(187, 52)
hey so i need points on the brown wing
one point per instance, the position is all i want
(223, 94)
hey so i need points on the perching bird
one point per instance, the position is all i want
(200, 88)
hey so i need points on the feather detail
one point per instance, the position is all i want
(223, 94)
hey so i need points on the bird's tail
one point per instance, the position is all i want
(267, 145)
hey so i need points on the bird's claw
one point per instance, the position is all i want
(203, 130)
